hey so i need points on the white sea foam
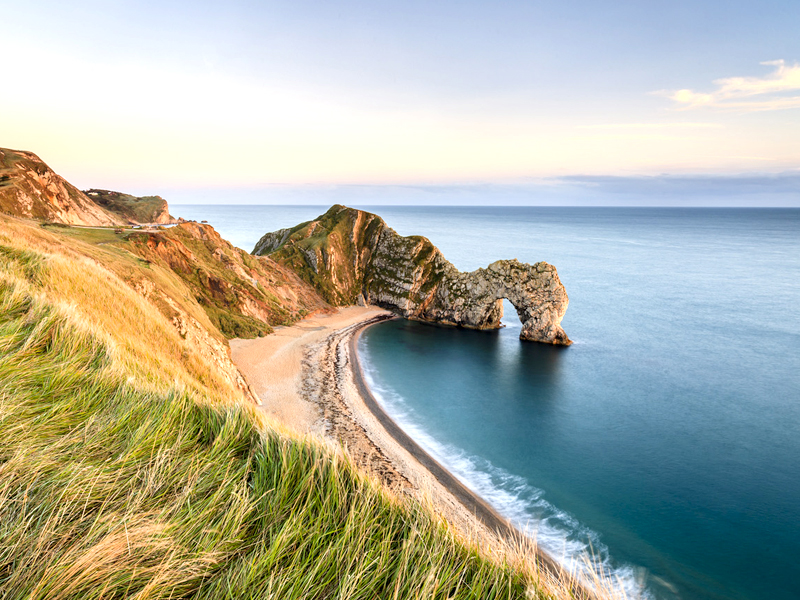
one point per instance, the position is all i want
(574, 546)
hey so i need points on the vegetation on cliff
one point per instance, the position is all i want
(132, 465)
(331, 253)
(133, 209)
(352, 256)
(244, 296)
(29, 188)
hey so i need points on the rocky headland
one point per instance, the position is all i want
(30, 189)
(158, 309)
(133, 209)
(352, 257)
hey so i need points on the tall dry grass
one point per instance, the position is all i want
(93, 287)
(126, 474)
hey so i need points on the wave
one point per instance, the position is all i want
(574, 546)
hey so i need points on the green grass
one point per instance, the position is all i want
(145, 209)
(219, 289)
(234, 325)
(90, 235)
(109, 490)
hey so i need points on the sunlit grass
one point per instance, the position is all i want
(130, 468)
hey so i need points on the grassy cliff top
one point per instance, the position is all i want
(133, 466)
(144, 209)
(29, 188)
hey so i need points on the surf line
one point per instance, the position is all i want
(476, 505)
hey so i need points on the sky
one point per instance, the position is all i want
(262, 101)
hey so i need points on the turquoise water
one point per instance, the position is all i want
(667, 437)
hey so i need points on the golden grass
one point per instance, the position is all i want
(132, 467)
(91, 287)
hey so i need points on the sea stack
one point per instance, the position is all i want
(352, 257)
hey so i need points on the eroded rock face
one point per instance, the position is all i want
(30, 189)
(475, 299)
(352, 256)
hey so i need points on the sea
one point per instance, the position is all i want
(663, 447)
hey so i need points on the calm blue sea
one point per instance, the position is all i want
(666, 439)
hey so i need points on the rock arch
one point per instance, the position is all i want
(475, 299)
(351, 256)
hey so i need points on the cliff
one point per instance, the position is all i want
(133, 209)
(351, 256)
(30, 189)
(132, 464)
(244, 296)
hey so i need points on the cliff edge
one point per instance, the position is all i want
(32, 190)
(133, 209)
(351, 256)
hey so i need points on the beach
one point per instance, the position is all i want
(308, 378)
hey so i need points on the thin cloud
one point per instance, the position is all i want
(653, 126)
(785, 183)
(746, 94)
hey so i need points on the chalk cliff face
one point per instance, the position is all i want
(351, 256)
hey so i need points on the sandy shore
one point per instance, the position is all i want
(274, 365)
(308, 377)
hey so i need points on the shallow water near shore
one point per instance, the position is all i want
(667, 437)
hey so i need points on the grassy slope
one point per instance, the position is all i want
(145, 209)
(244, 296)
(241, 295)
(29, 188)
(131, 467)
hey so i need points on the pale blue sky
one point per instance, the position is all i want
(220, 95)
